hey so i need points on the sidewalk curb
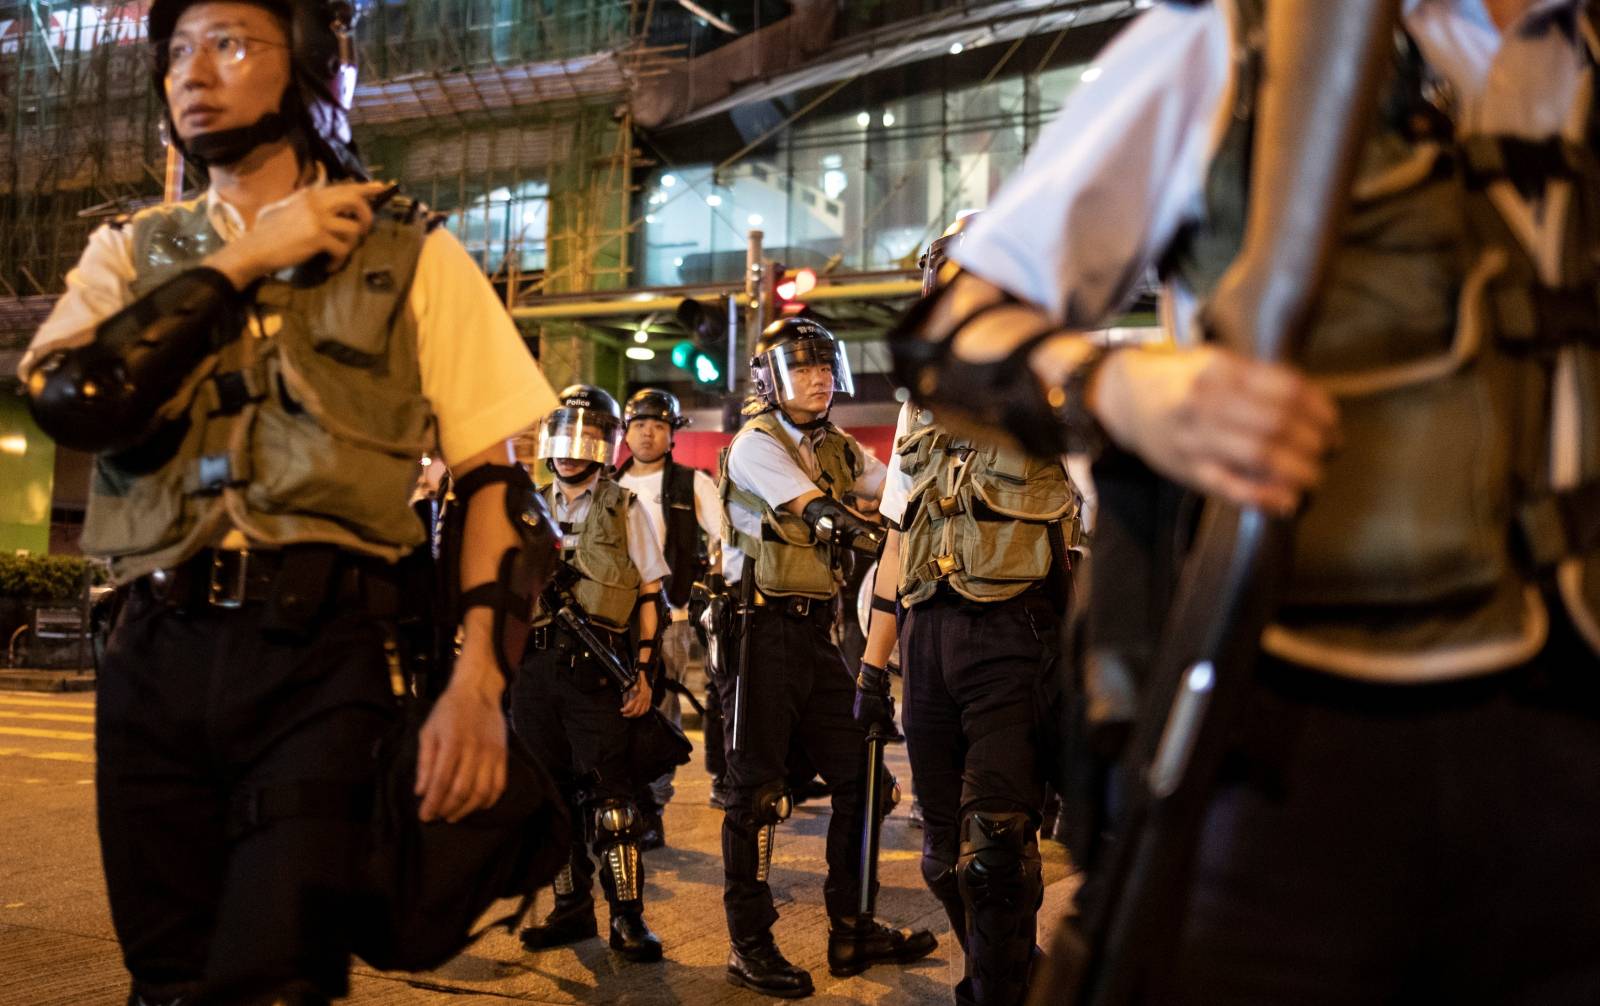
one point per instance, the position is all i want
(21, 679)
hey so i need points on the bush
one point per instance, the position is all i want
(45, 577)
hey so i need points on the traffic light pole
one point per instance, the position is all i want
(755, 289)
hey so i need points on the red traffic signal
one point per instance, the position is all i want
(791, 287)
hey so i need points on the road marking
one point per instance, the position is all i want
(13, 714)
(54, 735)
(73, 756)
(31, 702)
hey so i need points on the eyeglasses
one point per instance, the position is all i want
(226, 49)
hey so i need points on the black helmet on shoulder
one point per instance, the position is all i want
(654, 403)
(316, 104)
(586, 426)
(791, 343)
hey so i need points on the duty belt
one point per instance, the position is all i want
(794, 607)
(297, 582)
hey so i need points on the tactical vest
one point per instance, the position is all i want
(306, 428)
(685, 547)
(598, 549)
(786, 557)
(1451, 358)
(989, 521)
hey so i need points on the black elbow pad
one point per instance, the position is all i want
(834, 523)
(103, 396)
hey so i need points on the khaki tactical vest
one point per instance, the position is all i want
(1468, 382)
(786, 557)
(306, 428)
(598, 549)
(979, 518)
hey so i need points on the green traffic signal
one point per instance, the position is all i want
(706, 370)
(683, 354)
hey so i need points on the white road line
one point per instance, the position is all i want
(29, 701)
(54, 735)
(13, 714)
(72, 756)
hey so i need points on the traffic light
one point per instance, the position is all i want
(789, 288)
(696, 354)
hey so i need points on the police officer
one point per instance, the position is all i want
(686, 514)
(1412, 806)
(563, 704)
(782, 480)
(258, 371)
(980, 563)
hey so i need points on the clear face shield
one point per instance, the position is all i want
(579, 435)
(796, 368)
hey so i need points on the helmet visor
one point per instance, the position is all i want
(794, 364)
(579, 435)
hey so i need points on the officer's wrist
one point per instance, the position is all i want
(236, 264)
(872, 679)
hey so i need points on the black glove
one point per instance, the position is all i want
(874, 705)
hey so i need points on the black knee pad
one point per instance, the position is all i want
(616, 822)
(1000, 860)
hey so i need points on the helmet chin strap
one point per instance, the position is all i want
(810, 424)
(572, 480)
(230, 146)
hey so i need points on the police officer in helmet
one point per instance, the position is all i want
(979, 563)
(782, 482)
(685, 512)
(563, 704)
(256, 442)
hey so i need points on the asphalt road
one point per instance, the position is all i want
(57, 946)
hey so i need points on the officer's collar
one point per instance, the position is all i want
(228, 222)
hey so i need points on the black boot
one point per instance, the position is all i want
(630, 937)
(758, 966)
(570, 921)
(655, 829)
(855, 944)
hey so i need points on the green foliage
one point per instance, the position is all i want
(45, 577)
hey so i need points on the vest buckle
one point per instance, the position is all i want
(230, 577)
(940, 567)
(946, 507)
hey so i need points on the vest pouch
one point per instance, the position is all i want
(302, 471)
(791, 562)
(141, 500)
(1019, 489)
(1415, 509)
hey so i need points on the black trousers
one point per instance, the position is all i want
(798, 692)
(1382, 844)
(974, 676)
(194, 712)
(569, 714)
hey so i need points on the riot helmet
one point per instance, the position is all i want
(787, 346)
(654, 403)
(940, 248)
(314, 113)
(586, 426)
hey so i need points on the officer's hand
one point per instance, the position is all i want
(328, 219)
(874, 705)
(1254, 433)
(461, 761)
(637, 700)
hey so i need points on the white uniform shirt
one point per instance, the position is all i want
(483, 384)
(896, 483)
(707, 506)
(644, 548)
(1122, 168)
(760, 465)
